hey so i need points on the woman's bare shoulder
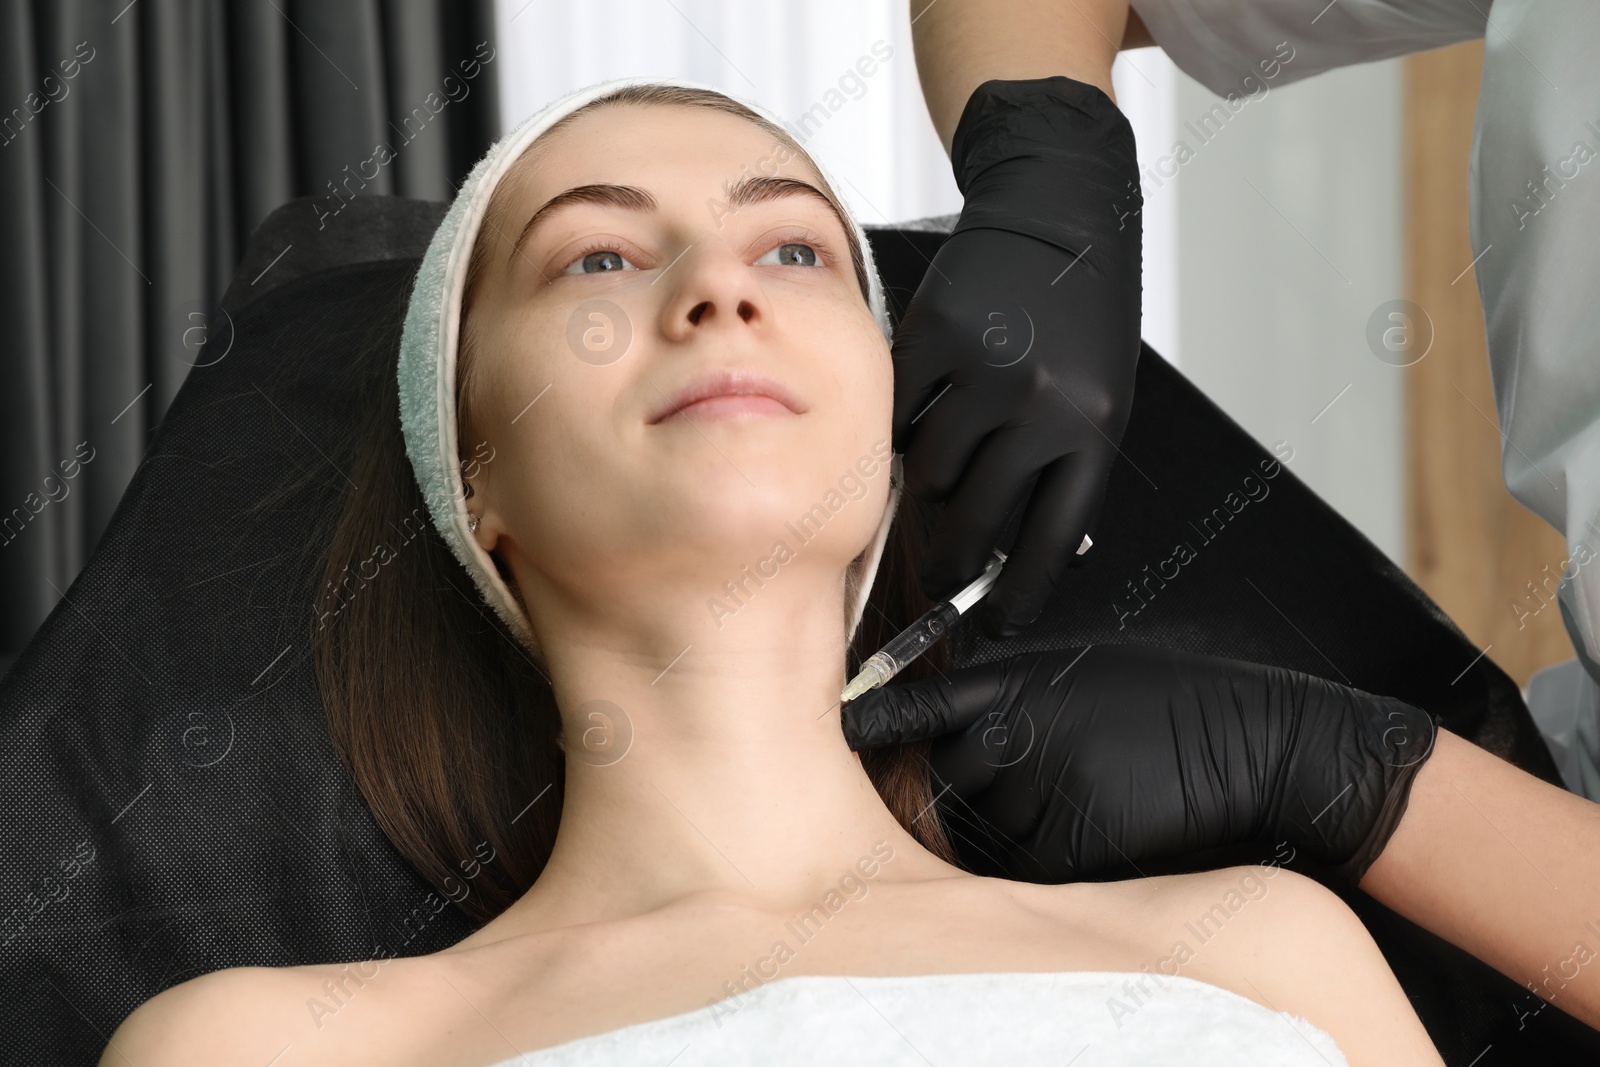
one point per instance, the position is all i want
(252, 1015)
(217, 1018)
(1280, 939)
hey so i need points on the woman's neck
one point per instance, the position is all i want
(725, 772)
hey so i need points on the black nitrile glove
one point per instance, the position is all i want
(1015, 357)
(1089, 761)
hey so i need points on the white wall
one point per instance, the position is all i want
(1146, 85)
(1289, 237)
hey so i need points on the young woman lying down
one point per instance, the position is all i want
(646, 397)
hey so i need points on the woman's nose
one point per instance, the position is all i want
(744, 309)
(711, 288)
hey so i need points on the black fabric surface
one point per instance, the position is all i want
(171, 804)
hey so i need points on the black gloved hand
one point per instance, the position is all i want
(1015, 357)
(1088, 762)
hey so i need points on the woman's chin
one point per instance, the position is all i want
(730, 532)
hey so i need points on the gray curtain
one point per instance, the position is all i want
(140, 145)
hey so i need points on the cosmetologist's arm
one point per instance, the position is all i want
(961, 44)
(1503, 865)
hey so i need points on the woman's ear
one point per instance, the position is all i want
(470, 497)
(474, 498)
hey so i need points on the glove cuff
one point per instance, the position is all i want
(1061, 151)
(1404, 746)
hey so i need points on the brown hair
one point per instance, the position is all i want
(448, 726)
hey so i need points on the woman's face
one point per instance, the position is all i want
(593, 480)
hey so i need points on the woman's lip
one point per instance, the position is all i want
(723, 384)
(728, 406)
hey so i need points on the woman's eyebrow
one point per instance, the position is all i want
(746, 191)
(759, 189)
(630, 197)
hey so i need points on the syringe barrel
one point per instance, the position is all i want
(919, 637)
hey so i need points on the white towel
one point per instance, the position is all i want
(1081, 1018)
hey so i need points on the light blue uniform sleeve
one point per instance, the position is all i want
(1534, 189)
(1220, 42)
(1534, 199)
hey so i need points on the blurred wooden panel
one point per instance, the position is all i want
(1469, 544)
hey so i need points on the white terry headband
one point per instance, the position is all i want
(432, 330)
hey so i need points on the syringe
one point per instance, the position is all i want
(926, 631)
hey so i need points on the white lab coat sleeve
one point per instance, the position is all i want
(1534, 192)
(1222, 43)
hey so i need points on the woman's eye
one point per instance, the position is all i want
(600, 261)
(792, 254)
